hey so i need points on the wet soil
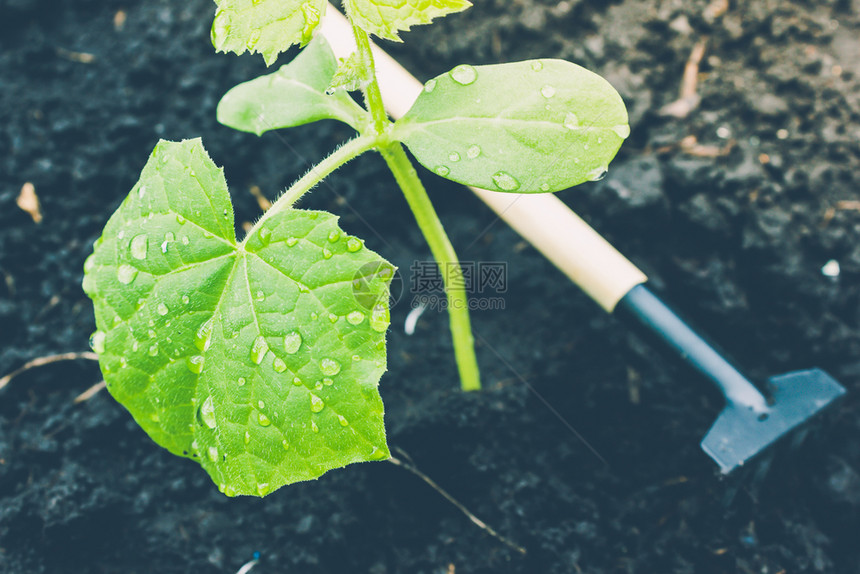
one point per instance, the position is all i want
(732, 209)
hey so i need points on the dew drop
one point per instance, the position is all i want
(126, 274)
(505, 181)
(207, 413)
(547, 91)
(464, 74)
(430, 86)
(326, 253)
(544, 187)
(332, 318)
(297, 381)
(623, 131)
(597, 174)
(263, 420)
(317, 404)
(285, 444)
(333, 236)
(537, 65)
(292, 342)
(138, 246)
(291, 241)
(195, 364)
(265, 235)
(141, 192)
(247, 437)
(263, 488)
(153, 350)
(379, 319)
(203, 337)
(168, 239)
(355, 318)
(314, 427)
(353, 244)
(97, 342)
(185, 240)
(241, 381)
(329, 367)
(186, 300)
(180, 220)
(162, 309)
(571, 122)
(259, 350)
(342, 420)
(442, 170)
(328, 382)
(259, 295)
(473, 152)
(454, 156)
(279, 365)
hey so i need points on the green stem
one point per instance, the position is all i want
(428, 222)
(372, 95)
(348, 151)
(446, 257)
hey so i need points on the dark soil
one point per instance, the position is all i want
(734, 226)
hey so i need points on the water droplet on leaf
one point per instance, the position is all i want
(464, 74)
(353, 244)
(623, 131)
(355, 318)
(505, 181)
(379, 319)
(430, 86)
(203, 337)
(126, 274)
(597, 174)
(473, 152)
(162, 309)
(195, 364)
(292, 342)
(97, 342)
(279, 365)
(259, 350)
(263, 420)
(547, 91)
(329, 367)
(317, 404)
(442, 170)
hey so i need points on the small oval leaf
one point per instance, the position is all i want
(292, 96)
(526, 127)
(267, 27)
(240, 356)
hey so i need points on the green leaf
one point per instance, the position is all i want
(535, 126)
(351, 75)
(260, 360)
(385, 18)
(292, 96)
(267, 27)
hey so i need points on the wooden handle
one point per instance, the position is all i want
(542, 219)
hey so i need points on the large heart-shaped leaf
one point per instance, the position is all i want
(292, 96)
(535, 126)
(258, 359)
(268, 27)
(385, 18)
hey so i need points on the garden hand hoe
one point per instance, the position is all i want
(749, 423)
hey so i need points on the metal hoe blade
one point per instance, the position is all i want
(740, 433)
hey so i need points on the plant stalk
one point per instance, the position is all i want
(449, 264)
(348, 151)
(428, 222)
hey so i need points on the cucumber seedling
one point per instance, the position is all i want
(260, 358)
